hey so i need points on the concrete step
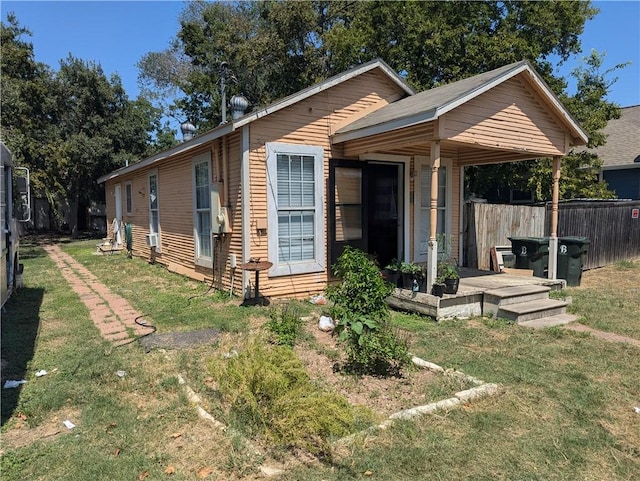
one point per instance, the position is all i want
(536, 309)
(550, 321)
(496, 298)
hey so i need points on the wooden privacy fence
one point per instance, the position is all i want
(489, 225)
(610, 226)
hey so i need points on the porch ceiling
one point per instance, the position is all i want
(419, 143)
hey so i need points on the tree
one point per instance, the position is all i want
(96, 130)
(276, 48)
(25, 100)
(69, 127)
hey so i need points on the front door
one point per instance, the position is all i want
(365, 205)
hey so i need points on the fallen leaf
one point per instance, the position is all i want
(116, 452)
(204, 472)
(143, 475)
(368, 473)
(169, 470)
(176, 435)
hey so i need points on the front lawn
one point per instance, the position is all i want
(565, 410)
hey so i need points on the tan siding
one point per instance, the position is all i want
(309, 122)
(509, 117)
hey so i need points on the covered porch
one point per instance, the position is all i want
(505, 115)
(519, 298)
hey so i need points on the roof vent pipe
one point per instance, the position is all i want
(188, 131)
(239, 105)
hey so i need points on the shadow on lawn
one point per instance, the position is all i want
(19, 328)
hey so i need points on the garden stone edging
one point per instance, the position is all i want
(480, 390)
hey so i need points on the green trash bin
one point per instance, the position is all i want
(531, 253)
(571, 254)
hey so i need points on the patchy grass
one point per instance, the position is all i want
(565, 410)
(169, 301)
(608, 298)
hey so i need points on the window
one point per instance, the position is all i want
(128, 197)
(202, 209)
(296, 208)
(154, 216)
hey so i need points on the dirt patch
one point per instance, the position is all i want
(383, 395)
(20, 434)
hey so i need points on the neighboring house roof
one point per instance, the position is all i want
(429, 105)
(622, 150)
(233, 125)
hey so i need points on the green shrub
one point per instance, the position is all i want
(363, 291)
(270, 394)
(285, 324)
(361, 315)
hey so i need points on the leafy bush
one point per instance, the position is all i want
(285, 324)
(361, 315)
(270, 394)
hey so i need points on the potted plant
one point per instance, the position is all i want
(392, 272)
(411, 274)
(448, 276)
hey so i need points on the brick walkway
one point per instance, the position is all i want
(111, 314)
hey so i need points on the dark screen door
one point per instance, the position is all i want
(364, 209)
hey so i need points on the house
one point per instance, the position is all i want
(359, 159)
(620, 156)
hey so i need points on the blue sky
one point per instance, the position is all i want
(117, 34)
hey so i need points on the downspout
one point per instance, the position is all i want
(553, 239)
(245, 179)
(432, 249)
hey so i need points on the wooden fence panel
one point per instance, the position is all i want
(488, 225)
(613, 233)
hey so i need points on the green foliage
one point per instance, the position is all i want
(285, 324)
(394, 265)
(411, 268)
(447, 270)
(276, 48)
(270, 394)
(362, 291)
(71, 126)
(361, 315)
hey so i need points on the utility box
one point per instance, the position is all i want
(531, 253)
(571, 255)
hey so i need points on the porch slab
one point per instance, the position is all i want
(468, 301)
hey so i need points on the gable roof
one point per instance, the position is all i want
(431, 104)
(622, 149)
(233, 125)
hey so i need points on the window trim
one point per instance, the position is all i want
(200, 260)
(128, 197)
(153, 173)
(318, 264)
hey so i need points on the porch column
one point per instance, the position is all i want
(553, 239)
(432, 250)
